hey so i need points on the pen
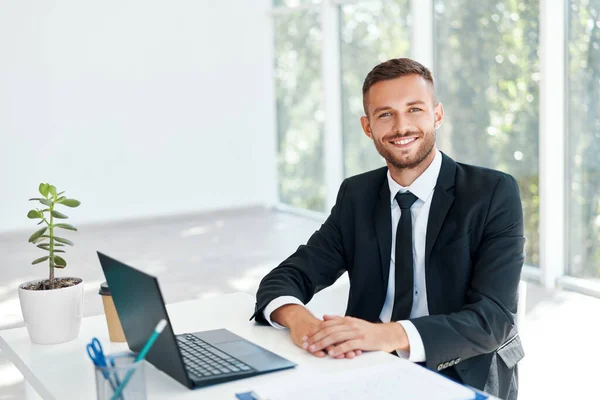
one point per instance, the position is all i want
(117, 380)
(155, 334)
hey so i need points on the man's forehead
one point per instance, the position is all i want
(405, 90)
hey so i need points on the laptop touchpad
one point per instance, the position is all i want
(239, 348)
(253, 355)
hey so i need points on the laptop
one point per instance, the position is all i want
(194, 359)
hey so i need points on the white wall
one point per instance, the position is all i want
(136, 107)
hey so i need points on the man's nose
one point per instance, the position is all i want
(401, 125)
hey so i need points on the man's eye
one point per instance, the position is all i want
(386, 114)
(415, 109)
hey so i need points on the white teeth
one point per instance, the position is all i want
(404, 141)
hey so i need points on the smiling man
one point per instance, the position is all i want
(433, 249)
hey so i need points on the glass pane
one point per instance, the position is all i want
(371, 32)
(487, 77)
(583, 119)
(299, 111)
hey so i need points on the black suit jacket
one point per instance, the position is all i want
(473, 260)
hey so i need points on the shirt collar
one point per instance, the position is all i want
(423, 186)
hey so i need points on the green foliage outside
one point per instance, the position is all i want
(299, 111)
(583, 129)
(487, 71)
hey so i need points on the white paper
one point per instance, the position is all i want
(394, 380)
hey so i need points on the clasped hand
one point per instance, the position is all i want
(348, 337)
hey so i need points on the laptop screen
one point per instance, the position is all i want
(140, 306)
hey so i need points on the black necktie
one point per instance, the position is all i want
(403, 293)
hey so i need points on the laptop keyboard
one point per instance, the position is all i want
(204, 360)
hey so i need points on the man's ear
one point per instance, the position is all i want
(439, 115)
(366, 125)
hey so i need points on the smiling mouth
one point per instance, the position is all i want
(404, 142)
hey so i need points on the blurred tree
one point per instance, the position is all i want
(299, 109)
(583, 122)
(487, 73)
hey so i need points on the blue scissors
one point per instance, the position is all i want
(94, 350)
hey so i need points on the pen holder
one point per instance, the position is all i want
(110, 377)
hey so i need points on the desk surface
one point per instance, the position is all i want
(64, 371)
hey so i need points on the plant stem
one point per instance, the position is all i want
(51, 234)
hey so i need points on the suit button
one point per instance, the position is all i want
(440, 367)
(451, 363)
(445, 365)
(458, 360)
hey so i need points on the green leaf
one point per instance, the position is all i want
(58, 194)
(70, 203)
(59, 251)
(44, 189)
(59, 262)
(39, 260)
(37, 234)
(41, 222)
(34, 214)
(46, 202)
(52, 190)
(63, 240)
(44, 246)
(58, 244)
(36, 199)
(65, 226)
(61, 199)
(38, 240)
(59, 215)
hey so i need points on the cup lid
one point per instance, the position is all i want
(104, 290)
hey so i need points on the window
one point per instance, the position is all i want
(299, 111)
(371, 32)
(487, 74)
(583, 127)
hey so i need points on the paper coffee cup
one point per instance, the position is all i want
(115, 330)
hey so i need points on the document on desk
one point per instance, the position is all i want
(394, 380)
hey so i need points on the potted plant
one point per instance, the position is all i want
(52, 308)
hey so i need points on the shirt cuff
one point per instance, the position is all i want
(415, 342)
(275, 304)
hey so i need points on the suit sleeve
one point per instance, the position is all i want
(314, 266)
(488, 317)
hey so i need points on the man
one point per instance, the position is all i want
(433, 249)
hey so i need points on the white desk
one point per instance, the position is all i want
(64, 371)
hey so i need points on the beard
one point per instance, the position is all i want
(409, 158)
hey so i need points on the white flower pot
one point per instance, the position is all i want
(52, 316)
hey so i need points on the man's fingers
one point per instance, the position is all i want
(319, 354)
(326, 331)
(327, 324)
(334, 338)
(327, 317)
(345, 347)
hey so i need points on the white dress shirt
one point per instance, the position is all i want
(423, 188)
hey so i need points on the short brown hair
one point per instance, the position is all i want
(392, 69)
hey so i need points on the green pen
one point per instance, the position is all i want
(155, 334)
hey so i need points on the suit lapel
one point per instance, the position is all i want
(443, 197)
(383, 228)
